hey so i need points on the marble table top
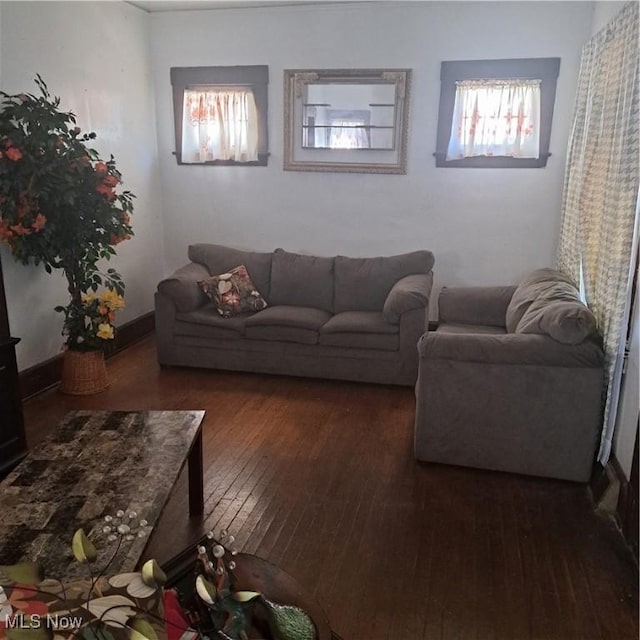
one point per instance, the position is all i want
(92, 465)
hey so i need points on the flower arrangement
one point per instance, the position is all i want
(129, 606)
(91, 324)
(59, 207)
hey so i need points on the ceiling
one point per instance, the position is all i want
(154, 6)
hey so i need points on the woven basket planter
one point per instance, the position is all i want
(83, 373)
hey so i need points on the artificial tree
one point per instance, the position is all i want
(59, 207)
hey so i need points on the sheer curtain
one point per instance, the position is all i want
(599, 231)
(219, 124)
(348, 134)
(495, 118)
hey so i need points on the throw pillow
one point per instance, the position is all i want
(233, 293)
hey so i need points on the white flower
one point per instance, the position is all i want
(134, 584)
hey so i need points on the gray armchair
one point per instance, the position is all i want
(511, 380)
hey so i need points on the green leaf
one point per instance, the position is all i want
(96, 631)
(23, 572)
(152, 574)
(39, 632)
(83, 549)
(141, 629)
(206, 590)
(244, 596)
(289, 623)
(114, 610)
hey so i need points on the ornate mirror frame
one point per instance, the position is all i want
(361, 160)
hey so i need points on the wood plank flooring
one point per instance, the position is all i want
(319, 478)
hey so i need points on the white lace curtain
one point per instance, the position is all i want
(219, 124)
(598, 237)
(495, 118)
(348, 134)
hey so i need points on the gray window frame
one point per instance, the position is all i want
(254, 76)
(544, 69)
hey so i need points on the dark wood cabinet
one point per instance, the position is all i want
(13, 446)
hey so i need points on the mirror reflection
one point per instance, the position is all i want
(349, 116)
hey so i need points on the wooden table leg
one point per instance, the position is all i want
(196, 478)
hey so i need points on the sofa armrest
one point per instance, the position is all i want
(182, 287)
(475, 305)
(509, 349)
(408, 293)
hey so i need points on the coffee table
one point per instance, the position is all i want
(93, 464)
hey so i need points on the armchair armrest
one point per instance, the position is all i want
(509, 349)
(182, 287)
(475, 305)
(410, 292)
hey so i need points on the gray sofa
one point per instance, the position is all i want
(512, 380)
(338, 317)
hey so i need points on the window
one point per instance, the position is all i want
(220, 115)
(496, 113)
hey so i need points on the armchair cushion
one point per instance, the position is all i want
(475, 305)
(509, 348)
(410, 292)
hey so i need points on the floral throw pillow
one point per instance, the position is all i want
(233, 292)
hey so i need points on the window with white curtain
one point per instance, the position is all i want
(220, 115)
(496, 113)
(219, 123)
(495, 118)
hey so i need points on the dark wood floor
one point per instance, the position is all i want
(319, 477)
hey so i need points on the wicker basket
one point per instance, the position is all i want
(83, 373)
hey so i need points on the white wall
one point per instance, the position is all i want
(484, 226)
(95, 56)
(603, 13)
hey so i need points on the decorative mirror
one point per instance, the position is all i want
(346, 120)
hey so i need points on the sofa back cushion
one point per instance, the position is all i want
(219, 259)
(362, 284)
(301, 280)
(529, 289)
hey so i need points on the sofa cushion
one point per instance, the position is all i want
(233, 293)
(529, 289)
(360, 330)
(289, 316)
(359, 322)
(486, 329)
(287, 324)
(362, 284)
(305, 281)
(566, 321)
(379, 341)
(207, 322)
(219, 259)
